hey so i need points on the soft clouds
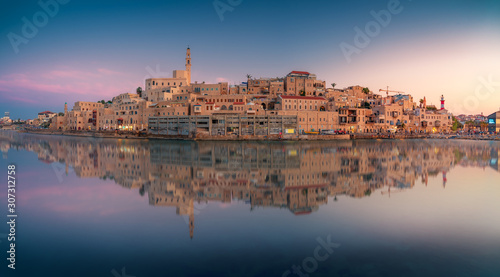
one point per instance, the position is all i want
(65, 85)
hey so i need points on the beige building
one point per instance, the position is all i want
(83, 116)
(301, 103)
(46, 116)
(127, 112)
(209, 89)
(158, 86)
(302, 83)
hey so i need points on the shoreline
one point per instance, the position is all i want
(142, 135)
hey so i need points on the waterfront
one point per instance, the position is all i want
(91, 206)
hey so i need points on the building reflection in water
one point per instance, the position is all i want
(299, 176)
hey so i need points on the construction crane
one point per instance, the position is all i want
(387, 91)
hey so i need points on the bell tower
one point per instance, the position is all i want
(188, 65)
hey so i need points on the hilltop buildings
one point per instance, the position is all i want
(298, 98)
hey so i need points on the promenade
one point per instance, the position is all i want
(295, 137)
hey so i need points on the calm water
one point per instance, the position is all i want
(99, 207)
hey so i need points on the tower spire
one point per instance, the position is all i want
(188, 65)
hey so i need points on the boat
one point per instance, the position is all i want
(311, 133)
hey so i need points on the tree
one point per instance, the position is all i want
(366, 90)
(249, 76)
(333, 85)
(456, 125)
(139, 91)
(366, 105)
(60, 114)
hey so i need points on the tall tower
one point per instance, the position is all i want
(442, 102)
(188, 65)
(65, 109)
(425, 103)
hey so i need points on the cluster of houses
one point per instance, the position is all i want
(315, 106)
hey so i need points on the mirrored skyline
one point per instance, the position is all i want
(298, 176)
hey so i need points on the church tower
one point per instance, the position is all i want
(188, 65)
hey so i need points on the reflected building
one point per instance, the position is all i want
(298, 176)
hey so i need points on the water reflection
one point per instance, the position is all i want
(299, 176)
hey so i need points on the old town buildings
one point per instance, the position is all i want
(315, 107)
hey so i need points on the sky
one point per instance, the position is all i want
(54, 52)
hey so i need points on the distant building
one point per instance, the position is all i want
(45, 116)
(6, 119)
(494, 122)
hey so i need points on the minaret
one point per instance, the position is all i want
(442, 102)
(188, 65)
(425, 103)
(65, 120)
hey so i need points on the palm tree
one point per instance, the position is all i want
(249, 76)
(366, 90)
(333, 85)
(139, 91)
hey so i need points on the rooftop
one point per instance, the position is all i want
(302, 97)
(300, 72)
